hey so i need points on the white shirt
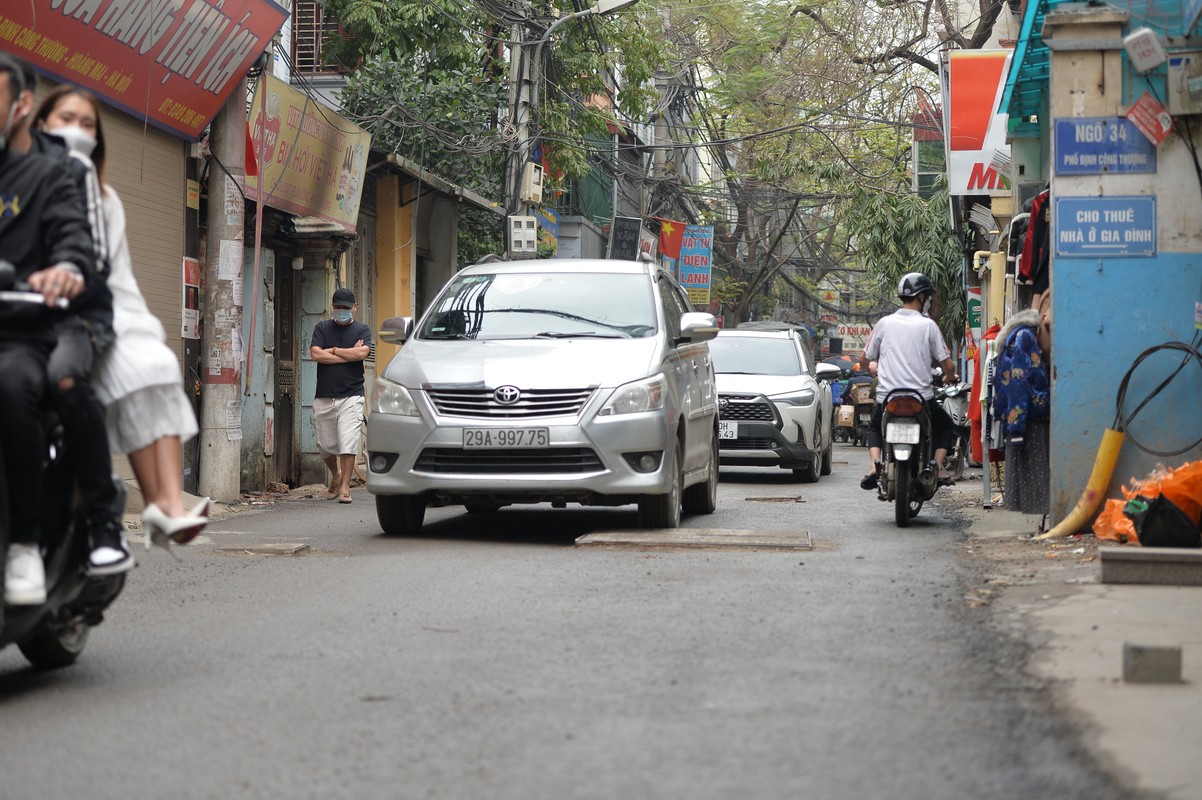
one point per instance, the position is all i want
(905, 345)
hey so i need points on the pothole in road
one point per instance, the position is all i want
(701, 537)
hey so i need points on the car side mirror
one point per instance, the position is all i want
(827, 372)
(395, 330)
(697, 326)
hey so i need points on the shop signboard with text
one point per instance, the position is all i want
(976, 141)
(1096, 227)
(693, 268)
(313, 159)
(171, 63)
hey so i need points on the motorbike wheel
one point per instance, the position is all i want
(904, 508)
(52, 648)
(957, 458)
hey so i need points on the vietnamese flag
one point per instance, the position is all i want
(670, 236)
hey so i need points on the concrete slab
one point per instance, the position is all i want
(280, 549)
(701, 537)
(1161, 566)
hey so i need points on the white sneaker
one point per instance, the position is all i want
(24, 576)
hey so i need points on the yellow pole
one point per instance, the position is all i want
(1095, 490)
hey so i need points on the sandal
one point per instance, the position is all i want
(345, 497)
(869, 482)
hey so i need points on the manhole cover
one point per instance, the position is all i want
(266, 550)
(701, 537)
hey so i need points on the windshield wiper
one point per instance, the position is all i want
(563, 314)
(580, 334)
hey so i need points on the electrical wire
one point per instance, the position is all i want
(1123, 423)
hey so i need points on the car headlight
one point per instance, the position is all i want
(392, 398)
(635, 398)
(803, 398)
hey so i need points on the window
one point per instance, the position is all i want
(310, 31)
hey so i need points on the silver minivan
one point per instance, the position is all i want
(543, 381)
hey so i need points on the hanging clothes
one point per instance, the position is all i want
(1022, 403)
(1033, 269)
(980, 379)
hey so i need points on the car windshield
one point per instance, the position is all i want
(753, 355)
(543, 305)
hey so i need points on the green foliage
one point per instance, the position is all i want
(896, 233)
(480, 233)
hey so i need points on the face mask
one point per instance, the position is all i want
(342, 315)
(77, 139)
(926, 306)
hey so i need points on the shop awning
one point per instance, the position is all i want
(1028, 78)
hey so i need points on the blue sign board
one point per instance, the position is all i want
(1096, 227)
(696, 249)
(1092, 145)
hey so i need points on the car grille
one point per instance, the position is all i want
(547, 461)
(745, 408)
(481, 404)
(746, 444)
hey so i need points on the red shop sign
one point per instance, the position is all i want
(1151, 118)
(170, 62)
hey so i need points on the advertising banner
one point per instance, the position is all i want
(976, 132)
(314, 160)
(693, 267)
(172, 63)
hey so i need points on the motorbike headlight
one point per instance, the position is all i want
(803, 398)
(635, 398)
(388, 397)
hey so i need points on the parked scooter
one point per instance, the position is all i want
(954, 400)
(53, 634)
(862, 401)
(908, 476)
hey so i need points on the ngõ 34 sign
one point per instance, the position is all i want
(170, 62)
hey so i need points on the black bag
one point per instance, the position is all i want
(1159, 522)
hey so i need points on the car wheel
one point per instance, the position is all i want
(702, 498)
(663, 510)
(400, 514)
(52, 648)
(828, 458)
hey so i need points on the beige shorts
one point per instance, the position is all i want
(338, 423)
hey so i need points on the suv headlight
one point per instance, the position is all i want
(635, 398)
(803, 398)
(392, 398)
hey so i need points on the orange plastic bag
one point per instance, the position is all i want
(1182, 485)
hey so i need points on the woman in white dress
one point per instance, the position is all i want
(138, 377)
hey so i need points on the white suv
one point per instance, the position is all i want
(774, 403)
(548, 381)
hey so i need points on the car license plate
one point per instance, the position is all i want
(901, 433)
(728, 430)
(522, 438)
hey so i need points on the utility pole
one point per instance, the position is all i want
(221, 350)
(519, 105)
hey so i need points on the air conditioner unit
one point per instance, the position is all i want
(532, 183)
(523, 235)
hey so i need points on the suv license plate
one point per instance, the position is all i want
(728, 430)
(901, 433)
(522, 438)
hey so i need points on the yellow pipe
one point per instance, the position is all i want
(1095, 490)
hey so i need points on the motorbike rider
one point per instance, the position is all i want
(905, 344)
(44, 233)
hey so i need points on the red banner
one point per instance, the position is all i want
(170, 62)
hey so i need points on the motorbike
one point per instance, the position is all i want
(862, 401)
(954, 400)
(53, 634)
(907, 476)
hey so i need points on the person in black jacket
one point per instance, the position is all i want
(44, 233)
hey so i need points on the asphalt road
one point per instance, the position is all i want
(492, 658)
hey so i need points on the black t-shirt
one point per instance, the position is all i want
(346, 379)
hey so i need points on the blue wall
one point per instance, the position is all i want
(1105, 314)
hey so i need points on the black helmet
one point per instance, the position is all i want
(913, 284)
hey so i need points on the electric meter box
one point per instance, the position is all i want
(1184, 88)
(532, 183)
(523, 235)
(1144, 50)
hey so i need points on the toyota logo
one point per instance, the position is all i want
(507, 395)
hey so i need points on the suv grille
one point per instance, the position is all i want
(745, 408)
(549, 461)
(481, 404)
